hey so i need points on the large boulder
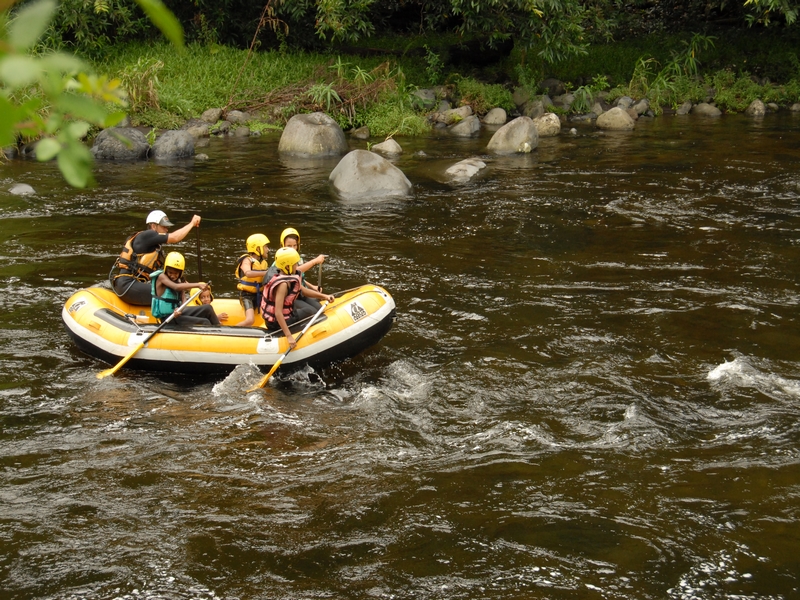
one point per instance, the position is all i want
(173, 144)
(704, 109)
(314, 134)
(364, 174)
(548, 125)
(615, 119)
(120, 143)
(519, 135)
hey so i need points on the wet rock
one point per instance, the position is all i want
(197, 127)
(553, 87)
(548, 125)
(388, 147)
(685, 108)
(364, 174)
(314, 134)
(465, 170)
(362, 133)
(519, 135)
(615, 119)
(795, 107)
(466, 128)
(212, 115)
(120, 143)
(173, 144)
(773, 106)
(756, 109)
(201, 157)
(21, 189)
(496, 116)
(704, 109)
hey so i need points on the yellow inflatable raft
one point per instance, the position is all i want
(104, 326)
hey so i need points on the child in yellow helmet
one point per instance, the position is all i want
(168, 288)
(250, 271)
(290, 238)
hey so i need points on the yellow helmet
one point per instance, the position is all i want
(256, 242)
(197, 300)
(175, 260)
(285, 258)
(287, 232)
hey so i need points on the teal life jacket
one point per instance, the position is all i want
(163, 306)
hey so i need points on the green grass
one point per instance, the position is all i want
(374, 89)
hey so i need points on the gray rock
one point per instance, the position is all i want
(553, 87)
(314, 134)
(237, 117)
(21, 189)
(200, 130)
(444, 106)
(466, 128)
(222, 128)
(704, 109)
(455, 115)
(685, 108)
(519, 135)
(548, 125)
(641, 107)
(624, 102)
(564, 100)
(201, 157)
(173, 144)
(773, 106)
(242, 131)
(533, 109)
(597, 109)
(520, 96)
(364, 174)
(795, 107)
(615, 119)
(756, 109)
(465, 169)
(362, 133)
(388, 147)
(424, 98)
(9, 151)
(212, 115)
(496, 116)
(120, 143)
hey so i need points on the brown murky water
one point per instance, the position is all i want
(592, 389)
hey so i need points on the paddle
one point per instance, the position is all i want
(274, 368)
(141, 344)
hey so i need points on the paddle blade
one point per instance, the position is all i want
(118, 366)
(266, 377)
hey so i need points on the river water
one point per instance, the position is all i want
(592, 389)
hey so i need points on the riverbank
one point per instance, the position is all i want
(379, 90)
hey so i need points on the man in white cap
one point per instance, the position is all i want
(141, 255)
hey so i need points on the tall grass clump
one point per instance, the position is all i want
(482, 97)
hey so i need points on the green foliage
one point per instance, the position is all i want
(586, 94)
(763, 11)
(434, 66)
(323, 94)
(482, 97)
(50, 96)
(393, 118)
(140, 81)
